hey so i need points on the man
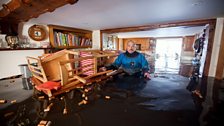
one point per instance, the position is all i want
(132, 62)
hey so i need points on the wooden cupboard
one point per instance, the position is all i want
(143, 44)
(188, 42)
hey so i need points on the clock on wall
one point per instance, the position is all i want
(37, 32)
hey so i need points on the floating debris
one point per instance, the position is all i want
(44, 123)
(13, 101)
(62, 98)
(198, 93)
(65, 111)
(82, 102)
(87, 89)
(41, 97)
(3, 101)
(48, 123)
(107, 97)
(83, 95)
(51, 98)
(9, 114)
(48, 107)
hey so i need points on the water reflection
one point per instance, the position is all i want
(207, 94)
(131, 83)
(166, 92)
(20, 114)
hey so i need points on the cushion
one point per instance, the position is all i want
(50, 85)
(87, 62)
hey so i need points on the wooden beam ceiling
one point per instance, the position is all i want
(22, 10)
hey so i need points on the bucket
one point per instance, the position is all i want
(25, 71)
(27, 85)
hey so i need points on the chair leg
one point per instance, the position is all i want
(65, 111)
(40, 106)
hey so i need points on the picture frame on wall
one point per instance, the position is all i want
(37, 32)
(138, 46)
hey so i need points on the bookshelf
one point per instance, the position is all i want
(66, 37)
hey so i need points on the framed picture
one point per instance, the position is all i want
(138, 46)
(37, 32)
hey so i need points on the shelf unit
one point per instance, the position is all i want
(66, 37)
(17, 49)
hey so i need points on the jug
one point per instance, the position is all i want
(13, 41)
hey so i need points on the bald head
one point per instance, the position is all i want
(131, 46)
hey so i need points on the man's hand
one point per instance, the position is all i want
(102, 69)
(147, 75)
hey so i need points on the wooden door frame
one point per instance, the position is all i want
(211, 22)
(220, 63)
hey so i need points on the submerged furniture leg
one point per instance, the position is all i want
(65, 111)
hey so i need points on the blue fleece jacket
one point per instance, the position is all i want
(131, 63)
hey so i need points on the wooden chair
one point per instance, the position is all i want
(46, 70)
(103, 57)
(72, 78)
(50, 63)
(46, 67)
(62, 72)
(66, 68)
(36, 68)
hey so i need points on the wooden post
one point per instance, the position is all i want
(220, 64)
(95, 65)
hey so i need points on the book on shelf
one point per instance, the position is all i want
(69, 39)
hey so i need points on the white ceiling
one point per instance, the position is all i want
(104, 14)
(107, 14)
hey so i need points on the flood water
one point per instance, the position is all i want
(165, 100)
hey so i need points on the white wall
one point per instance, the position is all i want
(96, 39)
(105, 40)
(216, 46)
(11, 59)
(121, 44)
(23, 31)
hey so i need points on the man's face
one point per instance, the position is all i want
(131, 47)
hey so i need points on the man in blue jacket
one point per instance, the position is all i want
(132, 62)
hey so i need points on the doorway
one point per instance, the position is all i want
(168, 52)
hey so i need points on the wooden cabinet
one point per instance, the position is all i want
(188, 42)
(185, 70)
(67, 37)
(142, 43)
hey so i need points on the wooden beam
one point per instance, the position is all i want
(9, 7)
(220, 64)
(72, 1)
(14, 10)
(101, 40)
(209, 49)
(155, 26)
